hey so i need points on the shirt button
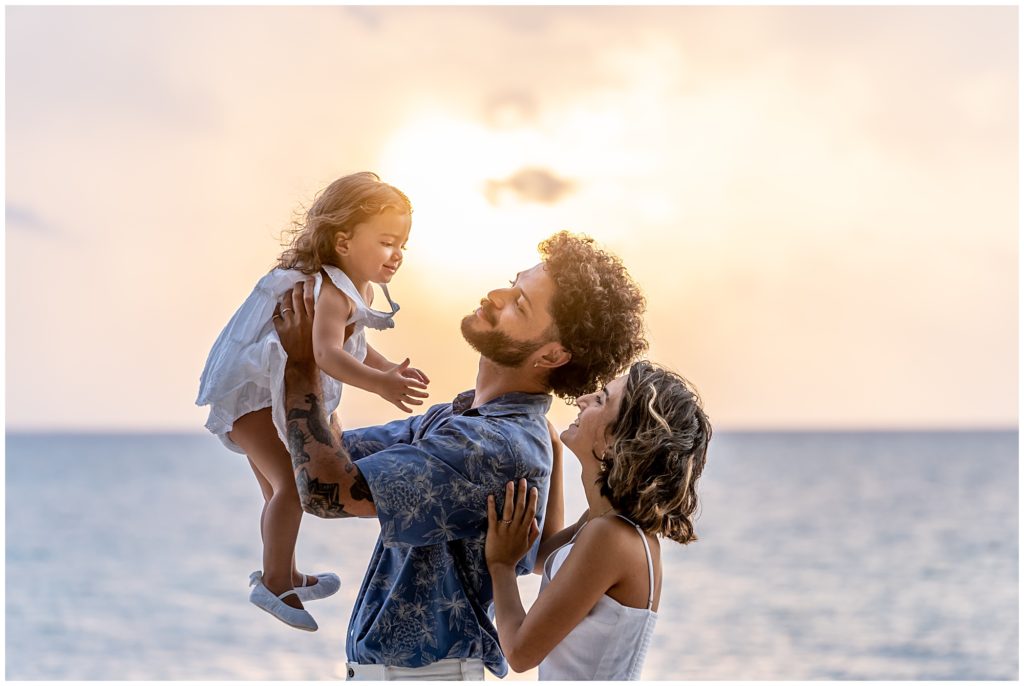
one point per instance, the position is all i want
(351, 672)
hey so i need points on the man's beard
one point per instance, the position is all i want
(498, 347)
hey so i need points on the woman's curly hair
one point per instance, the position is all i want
(348, 201)
(659, 444)
(598, 312)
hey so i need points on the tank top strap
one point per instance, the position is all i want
(650, 562)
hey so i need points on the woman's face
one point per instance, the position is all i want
(587, 437)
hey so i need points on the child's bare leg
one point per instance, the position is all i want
(266, 489)
(255, 434)
(268, 493)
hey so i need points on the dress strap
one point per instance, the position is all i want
(375, 319)
(650, 562)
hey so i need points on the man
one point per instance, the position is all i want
(565, 326)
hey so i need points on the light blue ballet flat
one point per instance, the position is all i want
(261, 597)
(326, 585)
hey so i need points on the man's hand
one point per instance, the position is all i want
(398, 386)
(293, 320)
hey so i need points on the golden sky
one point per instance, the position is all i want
(819, 203)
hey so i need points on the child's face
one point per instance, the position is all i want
(374, 252)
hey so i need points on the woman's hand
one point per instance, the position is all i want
(509, 538)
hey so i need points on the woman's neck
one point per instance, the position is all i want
(599, 505)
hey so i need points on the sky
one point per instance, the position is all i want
(819, 203)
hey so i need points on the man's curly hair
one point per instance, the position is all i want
(598, 312)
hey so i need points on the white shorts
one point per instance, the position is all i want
(464, 669)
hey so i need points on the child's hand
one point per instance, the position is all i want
(398, 386)
(413, 373)
(509, 538)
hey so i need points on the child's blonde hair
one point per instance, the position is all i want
(348, 201)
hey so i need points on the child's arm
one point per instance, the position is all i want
(333, 309)
(375, 360)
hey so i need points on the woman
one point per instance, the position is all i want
(642, 443)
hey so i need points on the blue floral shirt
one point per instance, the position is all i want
(427, 593)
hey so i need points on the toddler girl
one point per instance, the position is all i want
(353, 236)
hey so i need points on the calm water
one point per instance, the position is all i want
(822, 556)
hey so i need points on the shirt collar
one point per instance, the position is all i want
(504, 405)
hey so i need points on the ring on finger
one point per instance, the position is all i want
(505, 521)
(287, 309)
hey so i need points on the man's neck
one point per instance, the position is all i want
(493, 381)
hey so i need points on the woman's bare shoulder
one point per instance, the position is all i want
(605, 535)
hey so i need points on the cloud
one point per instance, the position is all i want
(531, 184)
(27, 220)
(510, 109)
(368, 17)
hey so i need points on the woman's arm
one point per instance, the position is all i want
(554, 517)
(556, 541)
(594, 565)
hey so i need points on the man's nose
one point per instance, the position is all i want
(497, 297)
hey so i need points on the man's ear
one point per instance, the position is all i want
(552, 355)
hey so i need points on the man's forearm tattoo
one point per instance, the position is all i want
(320, 496)
(360, 489)
(315, 419)
(320, 499)
(297, 444)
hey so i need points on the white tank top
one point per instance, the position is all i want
(611, 642)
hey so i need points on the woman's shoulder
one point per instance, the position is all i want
(607, 534)
(611, 540)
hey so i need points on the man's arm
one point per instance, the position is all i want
(329, 483)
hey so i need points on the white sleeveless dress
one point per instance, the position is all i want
(245, 369)
(611, 642)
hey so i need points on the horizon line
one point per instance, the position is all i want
(867, 428)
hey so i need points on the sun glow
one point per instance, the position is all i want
(444, 165)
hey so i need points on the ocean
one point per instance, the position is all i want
(861, 556)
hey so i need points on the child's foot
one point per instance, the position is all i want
(300, 580)
(285, 606)
(317, 587)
